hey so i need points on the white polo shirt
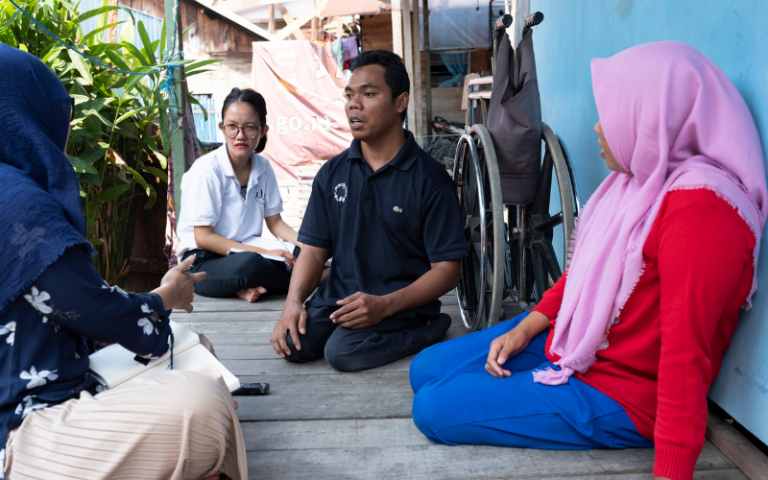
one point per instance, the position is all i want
(210, 196)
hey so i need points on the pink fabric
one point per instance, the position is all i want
(674, 121)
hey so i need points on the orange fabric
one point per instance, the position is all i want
(667, 349)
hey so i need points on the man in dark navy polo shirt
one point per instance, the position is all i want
(387, 213)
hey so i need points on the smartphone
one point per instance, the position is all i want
(252, 389)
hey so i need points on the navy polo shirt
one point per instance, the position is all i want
(383, 228)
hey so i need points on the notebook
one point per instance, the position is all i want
(265, 244)
(115, 364)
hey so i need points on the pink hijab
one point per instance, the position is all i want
(674, 121)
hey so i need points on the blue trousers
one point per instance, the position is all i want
(458, 402)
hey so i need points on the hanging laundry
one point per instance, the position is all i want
(338, 52)
(350, 48)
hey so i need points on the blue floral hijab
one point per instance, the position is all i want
(41, 214)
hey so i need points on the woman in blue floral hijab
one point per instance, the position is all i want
(54, 422)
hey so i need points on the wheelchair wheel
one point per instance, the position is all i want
(540, 248)
(476, 176)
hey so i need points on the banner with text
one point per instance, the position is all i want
(304, 90)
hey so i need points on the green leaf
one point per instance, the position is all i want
(80, 166)
(118, 92)
(96, 11)
(134, 112)
(97, 153)
(163, 162)
(201, 63)
(99, 30)
(52, 53)
(196, 72)
(147, 43)
(23, 47)
(194, 101)
(187, 29)
(152, 199)
(165, 130)
(162, 38)
(108, 194)
(81, 66)
(120, 60)
(136, 53)
(157, 172)
(140, 180)
(11, 20)
(95, 241)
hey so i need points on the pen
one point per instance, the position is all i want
(285, 247)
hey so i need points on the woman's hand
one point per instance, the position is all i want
(514, 342)
(289, 257)
(177, 289)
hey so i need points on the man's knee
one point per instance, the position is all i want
(340, 358)
(300, 356)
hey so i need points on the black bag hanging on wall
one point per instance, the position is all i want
(514, 119)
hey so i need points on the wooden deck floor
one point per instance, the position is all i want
(320, 424)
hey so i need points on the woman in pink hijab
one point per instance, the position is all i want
(622, 351)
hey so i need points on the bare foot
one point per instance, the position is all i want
(235, 404)
(251, 294)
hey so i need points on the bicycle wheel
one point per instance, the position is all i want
(541, 246)
(476, 176)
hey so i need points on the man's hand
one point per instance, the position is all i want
(504, 347)
(293, 320)
(362, 311)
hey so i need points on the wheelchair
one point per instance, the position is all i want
(516, 251)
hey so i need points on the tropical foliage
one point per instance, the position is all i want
(120, 135)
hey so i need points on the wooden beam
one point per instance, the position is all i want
(302, 20)
(427, 68)
(738, 449)
(271, 19)
(314, 21)
(112, 32)
(418, 100)
(298, 35)
(397, 29)
(408, 50)
(237, 19)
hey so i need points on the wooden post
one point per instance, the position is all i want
(339, 27)
(112, 32)
(427, 67)
(176, 120)
(520, 10)
(272, 19)
(314, 22)
(418, 100)
(408, 50)
(397, 28)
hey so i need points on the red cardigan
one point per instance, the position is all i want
(667, 349)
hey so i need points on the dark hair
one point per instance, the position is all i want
(255, 100)
(395, 74)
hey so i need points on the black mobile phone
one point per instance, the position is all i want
(252, 389)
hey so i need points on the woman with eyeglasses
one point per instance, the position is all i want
(227, 196)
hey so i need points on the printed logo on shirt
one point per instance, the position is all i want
(260, 195)
(397, 209)
(340, 192)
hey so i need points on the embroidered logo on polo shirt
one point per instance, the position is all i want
(260, 196)
(397, 209)
(340, 192)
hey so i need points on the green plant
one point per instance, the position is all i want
(120, 134)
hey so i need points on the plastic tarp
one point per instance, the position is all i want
(304, 90)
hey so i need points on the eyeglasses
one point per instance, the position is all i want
(250, 131)
(72, 110)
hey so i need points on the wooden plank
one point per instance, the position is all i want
(427, 462)
(397, 28)
(325, 407)
(235, 304)
(372, 381)
(278, 366)
(304, 435)
(418, 104)
(741, 451)
(297, 24)
(408, 58)
(298, 34)
(237, 19)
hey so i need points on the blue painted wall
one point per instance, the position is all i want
(733, 34)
